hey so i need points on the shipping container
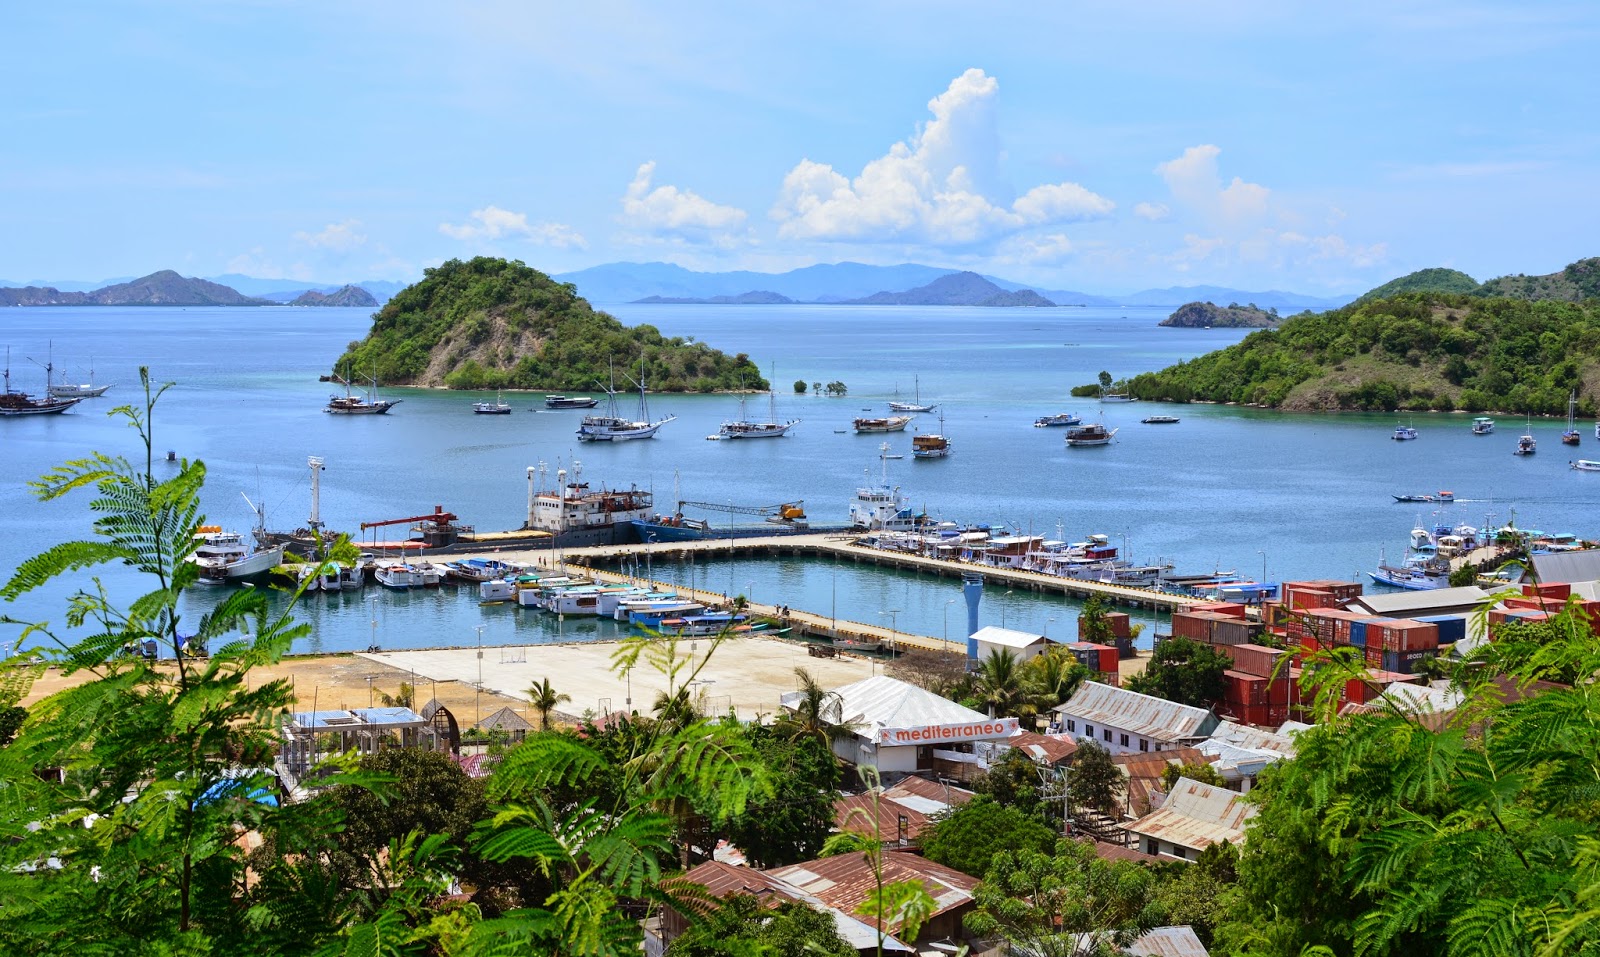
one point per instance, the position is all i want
(1231, 609)
(1405, 662)
(1233, 631)
(1301, 599)
(1403, 635)
(1195, 626)
(1256, 659)
(1559, 591)
(1452, 628)
(1121, 624)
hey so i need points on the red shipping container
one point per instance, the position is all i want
(1110, 658)
(1404, 635)
(1195, 627)
(1560, 591)
(1245, 689)
(1121, 624)
(1255, 659)
(1257, 714)
(1228, 608)
(1302, 599)
(1534, 604)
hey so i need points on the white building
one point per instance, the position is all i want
(1021, 644)
(1126, 722)
(1194, 817)
(898, 727)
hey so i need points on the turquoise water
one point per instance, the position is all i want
(1226, 488)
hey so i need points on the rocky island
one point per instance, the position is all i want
(1205, 315)
(344, 296)
(489, 323)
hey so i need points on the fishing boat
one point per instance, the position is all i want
(1059, 419)
(881, 506)
(224, 557)
(1440, 498)
(931, 446)
(570, 402)
(913, 406)
(1091, 434)
(21, 403)
(1570, 437)
(1404, 433)
(498, 407)
(893, 423)
(1586, 465)
(87, 390)
(397, 575)
(1423, 569)
(1483, 425)
(613, 428)
(1160, 420)
(746, 429)
(352, 404)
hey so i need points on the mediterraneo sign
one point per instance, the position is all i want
(982, 730)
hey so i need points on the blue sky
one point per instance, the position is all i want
(1102, 146)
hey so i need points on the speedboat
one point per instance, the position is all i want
(1160, 420)
(1586, 465)
(570, 402)
(1067, 418)
(1483, 425)
(1092, 434)
(1404, 433)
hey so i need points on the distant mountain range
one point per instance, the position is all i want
(346, 296)
(164, 288)
(272, 290)
(956, 289)
(842, 282)
(758, 297)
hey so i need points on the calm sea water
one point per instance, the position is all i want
(1308, 495)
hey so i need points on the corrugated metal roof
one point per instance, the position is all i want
(1580, 566)
(723, 880)
(1169, 942)
(1411, 604)
(872, 704)
(1051, 749)
(506, 720)
(1196, 816)
(1136, 713)
(844, 881)
(947, 795)
(1009, 637)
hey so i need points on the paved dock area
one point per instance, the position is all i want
(745, 674)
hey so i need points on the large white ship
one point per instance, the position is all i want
(225, 557)
(577, 514)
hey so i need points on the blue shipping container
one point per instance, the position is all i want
(1452, 628)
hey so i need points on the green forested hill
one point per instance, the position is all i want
(1577, 282)
(1425, 280)
(491, 323)
(1418, 351)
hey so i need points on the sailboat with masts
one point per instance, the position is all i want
(612, 427)
(1571, 437)
(352, 404)
(84, 390)
(746, 429)
(21, 403)
(915, 405)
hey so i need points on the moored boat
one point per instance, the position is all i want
(397, 575)
(892, 423)
(226, 557)
(931, 445)
(1586, 465)
(746, 429)
(1087, 435)
(1059, 419)
(1483, 425)
(21, 403)
(1526, 445)
(611, 427)
(352, 404)
(1404, 433)
(570, 402)
(498, 407)
(1570, 436)
(913, 406)
(1117, 397)
(1160, 420)
(84, 390)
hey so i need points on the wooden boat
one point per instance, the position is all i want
(893, 423)
(1087, 435)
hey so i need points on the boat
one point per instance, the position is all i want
(746, 429)
(1424, 568)
(930, 446)
(21, 403)
(88, 390)
(1444, 498)
(913, 406)
(613, 428)
(1586, 465)
(1116, 397)
(1404, 433)
(570, 402)
(498, 407)
(224, 557)
(1091, 434)
(1160, 420)
(576, 514)
(1059, 419)
(478, 569)
(352, 404)
(692, 626)
(1483, 425)
(427, 574)
(879, 507)
(1526, 444)
(397, 575)
(893, 423)
(1570, 437)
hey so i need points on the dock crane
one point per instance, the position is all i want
(784, 513)
(437, 529)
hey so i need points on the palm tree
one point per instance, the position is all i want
(544, 700)
(1000, 683)
(817, 713)
(1055, 676)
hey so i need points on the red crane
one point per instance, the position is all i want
(439, 517)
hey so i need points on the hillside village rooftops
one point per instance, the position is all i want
(1196, 816)
(1136, 713)
(847, 880)
(726, 880)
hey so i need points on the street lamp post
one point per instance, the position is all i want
(374, 645)
(1004, 607)
(1047, 623)
(947, 618)
(749, 593)
(894, 631)
(1262, 552)
(478, 691)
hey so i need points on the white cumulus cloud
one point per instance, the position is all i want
(668, 211)
(492, 222)
(942, 187)
(337, 237)
(1153, 212)
(1195, 182)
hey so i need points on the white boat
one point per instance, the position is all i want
(1423, 569)
(226, 557)
(1586, 465)
(350, 579)
(893, 423)
(1160, 420)
(88, 390)
(1404, 433)
(1483, 425)
(613, 428)
(498, 590)
(570, 402)
(1571, 436)
(746, 429)
(1526, 445)
(1059, 419)
(1087, 435)
(1116, 397)
(498, 407)
(879, 507)
(913, 406)
(306, 577)
(930, 445)
(427, 574)
(397, 575)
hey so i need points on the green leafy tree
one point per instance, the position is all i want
(800, 387)
(793, 824)
(894, 907)
(545, 700)
(1094, 783)
(743, 926)
(1054, 677)
(1104, 379)
(1197, 894)
(427, 793)
(817, 712)
(1465, 575)
(1093, 624)
(1014, 782)
(836, 389)
(969, 837)
(1184, 671)
(1067, 904)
